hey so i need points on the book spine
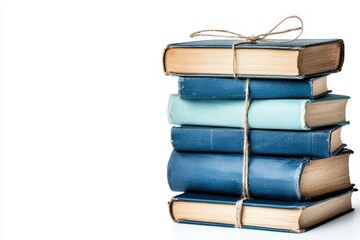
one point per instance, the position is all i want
(269, 177)
(286, 114)
(263, 142)
(229, 88)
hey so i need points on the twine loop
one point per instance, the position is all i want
(252, 39)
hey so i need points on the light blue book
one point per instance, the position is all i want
(288, 114)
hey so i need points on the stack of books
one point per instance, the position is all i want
(298, 172)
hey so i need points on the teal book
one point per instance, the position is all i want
(286, 114)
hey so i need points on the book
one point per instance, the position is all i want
(229, 88)
(284, 216)
(298, 59)
(286, 114)
(323, 142)
(279, 178)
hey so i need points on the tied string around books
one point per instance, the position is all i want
(248, 40)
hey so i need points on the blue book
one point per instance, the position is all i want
(229, 88)
(286, 114)
(280, 178)
(283, 216)
(323, 142)
(297, 59)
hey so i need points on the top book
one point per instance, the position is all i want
(297, 59)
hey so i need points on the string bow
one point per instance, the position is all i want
(253, 38)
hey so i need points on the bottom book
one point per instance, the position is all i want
(216, 210)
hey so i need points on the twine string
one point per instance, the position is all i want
(245, 170)
(245, 166)
(248, 40)
(238, 216)
(254, 38)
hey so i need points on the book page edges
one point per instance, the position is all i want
(303, 115)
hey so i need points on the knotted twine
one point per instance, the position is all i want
(248, 40)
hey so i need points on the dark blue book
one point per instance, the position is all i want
(323, 142)
(229, 88)
(297, 59)
(283, 216)
(279, 178)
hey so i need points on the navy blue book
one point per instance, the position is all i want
(322, 143)
(279, 178)
(297, 59)
(283, 216)
(229, 88)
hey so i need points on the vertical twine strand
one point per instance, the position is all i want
(247, 103)
(238, 216)
(245, 176)
(245, 166)
(246, 40)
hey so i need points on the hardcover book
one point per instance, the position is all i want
(230, 88)
(281, 178)
(297, 59)
(215, 210)
(286, 114)
(323, 142)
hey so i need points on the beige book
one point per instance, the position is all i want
(259, 214)
(296, 59)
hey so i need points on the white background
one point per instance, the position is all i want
(85, 138)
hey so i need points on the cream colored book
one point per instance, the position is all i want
(297, 59)
(295, 217)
